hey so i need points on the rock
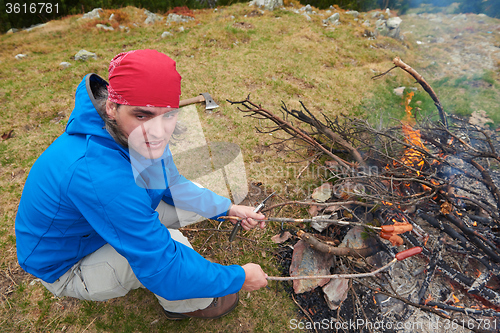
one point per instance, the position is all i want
(152, 17)
(21, 56)
(336, 292)
(353, 13)
(389, 28)
(111, 17)
(399, 91)
(178, 18)
(181, 29)
(281, 238)
(322, 193)
(124, 28)
(104, 27)
(307, 16)
(166, 34)
(378, 14)
(267, 4)
(334, 19)
(12, 30)
(93, 14)
(320, 226)
(461, 17)
(394, 23)
(307, 9)
(355, 239)
(306, 261)
(84, 55)
(64, 64)
(36, 26)
(366, 23)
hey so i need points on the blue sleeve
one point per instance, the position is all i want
(120, 211)
(186, 195)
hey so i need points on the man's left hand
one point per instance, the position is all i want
(248, 215)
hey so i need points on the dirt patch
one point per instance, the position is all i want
(243, 25)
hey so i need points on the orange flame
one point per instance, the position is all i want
(413, 137)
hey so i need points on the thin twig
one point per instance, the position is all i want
(333, 276)
(305, 312)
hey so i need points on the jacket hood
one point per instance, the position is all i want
(85, 118)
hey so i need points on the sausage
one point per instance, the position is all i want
(394, 239)
(397, 229)
(408, 253)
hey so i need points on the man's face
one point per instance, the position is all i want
(147, 128)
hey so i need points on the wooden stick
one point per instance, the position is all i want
(420, 79)
(282, 219)
(333, 276)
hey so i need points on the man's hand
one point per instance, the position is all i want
(247, 213)
(255, 278)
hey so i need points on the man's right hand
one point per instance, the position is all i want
(255, 278)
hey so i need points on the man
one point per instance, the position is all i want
(95, 211)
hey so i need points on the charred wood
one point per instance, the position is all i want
(475, 238)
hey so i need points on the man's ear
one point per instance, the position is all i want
(111, 109)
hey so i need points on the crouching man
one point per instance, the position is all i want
(100, 209)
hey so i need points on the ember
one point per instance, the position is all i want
(435, 187)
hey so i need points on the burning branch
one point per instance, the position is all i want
(420, 79)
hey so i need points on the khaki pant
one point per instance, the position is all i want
(105, 274)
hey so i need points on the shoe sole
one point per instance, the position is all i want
(180, 316)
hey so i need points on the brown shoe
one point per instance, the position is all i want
(219, 307)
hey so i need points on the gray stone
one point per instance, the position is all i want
(12, 30)
(394, 23)
(178, 18)
(353, 13)
(21, 56)
(104, 27)
(36, 26)
(124, 28)
(366, 23)
(332, 19)
(111, 17)
(166, 34)
(336, 292)
(461, 17)
(307, 16)
(307, 9)
(93, 14)
(181, 29)
(267, 4)
(399, 91)
(306, 261)
(152, 17)
(64, 64)
(320, 226)
(84, 55)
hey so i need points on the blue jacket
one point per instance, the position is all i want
(81, 193)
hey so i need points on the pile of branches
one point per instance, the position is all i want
(441, 172)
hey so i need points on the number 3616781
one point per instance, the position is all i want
(31, 8)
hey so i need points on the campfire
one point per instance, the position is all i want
(427, 185)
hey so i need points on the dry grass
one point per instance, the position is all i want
(232, 52)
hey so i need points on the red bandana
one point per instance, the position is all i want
(144, 78)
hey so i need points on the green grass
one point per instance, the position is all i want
(277, 57)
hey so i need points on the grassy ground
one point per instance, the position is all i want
(234, 51)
